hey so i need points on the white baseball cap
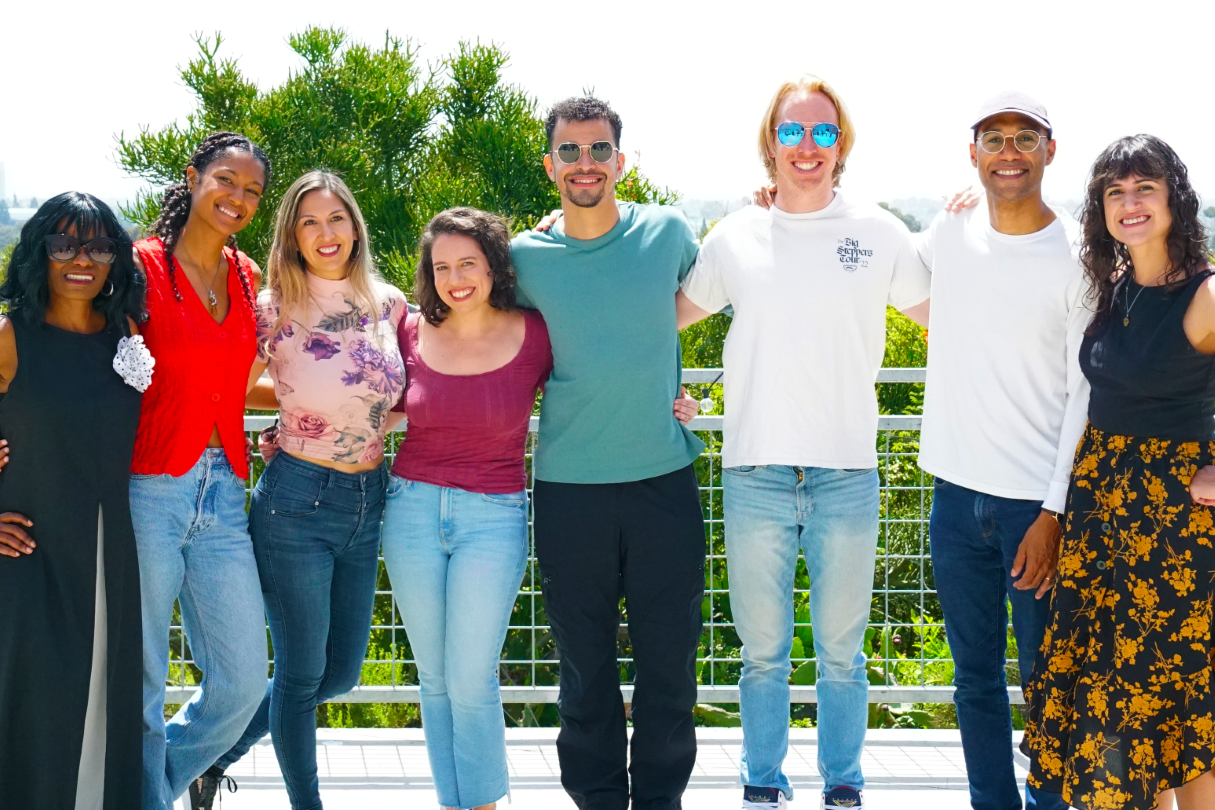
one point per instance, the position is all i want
(1012, 101)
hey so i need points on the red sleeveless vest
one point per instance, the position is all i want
(202, 369)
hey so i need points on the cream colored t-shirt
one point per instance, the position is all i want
(809, 293)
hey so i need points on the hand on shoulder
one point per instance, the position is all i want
(959, 201)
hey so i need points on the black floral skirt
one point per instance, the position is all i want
(1120, 705)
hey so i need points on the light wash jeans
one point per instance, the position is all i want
(192, 535)
(831, 516)
(456, 560)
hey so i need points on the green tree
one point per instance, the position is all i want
(408, 139)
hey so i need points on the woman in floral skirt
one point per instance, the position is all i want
(1121, 708)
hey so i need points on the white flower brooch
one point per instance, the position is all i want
(134, 362)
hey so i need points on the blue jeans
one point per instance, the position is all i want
(974, 540)
(456, 560)
(193, 540)
(316, 534)
(831, 516)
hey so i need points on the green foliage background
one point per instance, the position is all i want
(409, 139)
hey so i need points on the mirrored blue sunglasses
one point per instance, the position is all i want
(790, 133)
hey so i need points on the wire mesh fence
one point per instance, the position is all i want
(908, 656)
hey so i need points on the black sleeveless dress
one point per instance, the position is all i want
(70, 421)
(1120, 705)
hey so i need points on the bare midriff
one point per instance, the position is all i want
(340, 466)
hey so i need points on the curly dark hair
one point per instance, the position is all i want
(490, 232)
(1103, 256)
(586, 108)
(175, 204)
(25, 289)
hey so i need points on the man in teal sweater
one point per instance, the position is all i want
(617, 509)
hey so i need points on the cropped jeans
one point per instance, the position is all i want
(192, 536)
(831, 516)
(456, 560)
(974, 539)
(316, 534)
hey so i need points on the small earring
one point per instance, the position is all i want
(107, 293)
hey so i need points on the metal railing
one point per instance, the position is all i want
(908, 657)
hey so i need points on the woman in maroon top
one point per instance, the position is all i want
(455, 525)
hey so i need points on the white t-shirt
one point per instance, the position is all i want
(809, 293)
(1006, 402)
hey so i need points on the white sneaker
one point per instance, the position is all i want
(842, 797)
(758, 798)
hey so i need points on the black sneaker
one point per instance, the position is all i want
(205, 788)
(759, 798)
(842, 797)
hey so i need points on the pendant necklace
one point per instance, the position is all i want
(1126, 319)
(212, 302)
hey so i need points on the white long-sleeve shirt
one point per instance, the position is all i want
(1005, 402)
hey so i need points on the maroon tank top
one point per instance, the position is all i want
(469, 432)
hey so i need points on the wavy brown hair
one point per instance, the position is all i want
(490, 232)
(1104, 258)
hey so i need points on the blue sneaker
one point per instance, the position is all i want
(758, 798)
(842, 797)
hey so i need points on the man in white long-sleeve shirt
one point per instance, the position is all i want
(1004, 407)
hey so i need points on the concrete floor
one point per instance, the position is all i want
(369, 769)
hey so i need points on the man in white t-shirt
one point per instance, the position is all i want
(1004, 408)
(809, 282)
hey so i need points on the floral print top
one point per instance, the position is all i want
(337, 370)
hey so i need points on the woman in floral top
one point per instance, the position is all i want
(327, 329)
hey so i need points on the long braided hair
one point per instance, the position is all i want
(175, 205)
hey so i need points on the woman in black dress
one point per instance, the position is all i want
(71, 374)
(1121, 705)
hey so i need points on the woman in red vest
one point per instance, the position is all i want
(189, 468)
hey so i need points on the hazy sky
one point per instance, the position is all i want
(690, 79)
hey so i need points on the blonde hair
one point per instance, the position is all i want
(286, 272)
(807, 83)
